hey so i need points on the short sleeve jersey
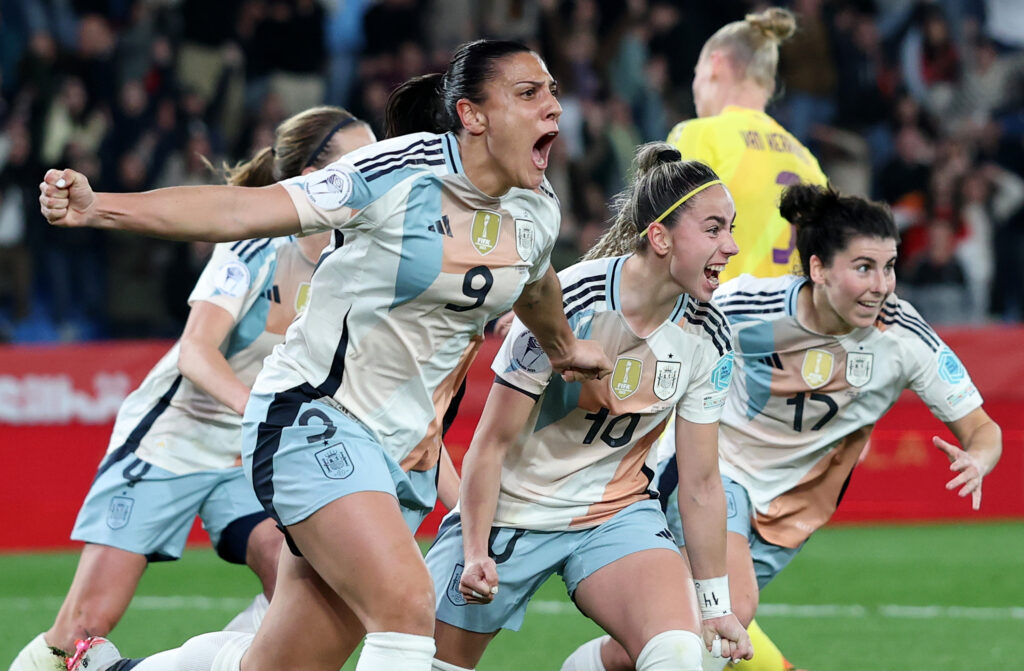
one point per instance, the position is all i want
(172, 423)
(421, 261)
(585, 453)
(803, 404)
(756, 158)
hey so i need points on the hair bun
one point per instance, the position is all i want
(804, 204)
(654, 154)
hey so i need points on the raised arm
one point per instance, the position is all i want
(503, 418)
(982, 441)
(212, 213)
(702, 509)
(539, 307)
(201, 360)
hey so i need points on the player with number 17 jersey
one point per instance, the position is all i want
(803, 404)
(421, 260)
(587, 451)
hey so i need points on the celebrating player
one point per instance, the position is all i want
(820, 358)
(433, 234)
(754, 155)
(177, 438)
(558, 476)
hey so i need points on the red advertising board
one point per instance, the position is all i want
(57, 406)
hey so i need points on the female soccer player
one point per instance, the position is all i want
(432, 236)
(558, 476)
(176, 442)
(819, 360)
(754, 155)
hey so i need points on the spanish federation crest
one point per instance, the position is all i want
(626, 377)
(120, 512)
(486, 227)
(666, 379)
(335, 462)
(524, 238)
(817, 367)
(858, 368)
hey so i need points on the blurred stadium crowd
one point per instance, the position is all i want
(920, 104)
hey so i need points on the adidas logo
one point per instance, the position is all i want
(441, 227)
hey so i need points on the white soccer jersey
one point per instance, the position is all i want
(173, 424)
(585, 453)
(803, 404)
(421, 261)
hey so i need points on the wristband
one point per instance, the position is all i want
(713, 597)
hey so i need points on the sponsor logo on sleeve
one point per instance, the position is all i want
(626, 377)
(328, 189)
(722, 374)
(335, 462)
(232, 279)
(666, 378)
(120, 512)
(958, 397)
(817, 367)
(950, 369)
(524, 238)
(486, 227)
(858, 368)
(528, 355)
(716, 400)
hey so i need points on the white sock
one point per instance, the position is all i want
(216, 651)
(248, 621)
(587, 657)
(674, 650)
(389, 650)
(37, 656)
(438, 665)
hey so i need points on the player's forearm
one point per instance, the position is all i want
(207, 369)
(210, 213)
(478, 496)
(540, 309)
(702, 509)
(985, 444)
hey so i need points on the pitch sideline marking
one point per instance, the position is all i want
(849, 611)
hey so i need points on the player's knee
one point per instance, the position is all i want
(410, 610)
(677, 650)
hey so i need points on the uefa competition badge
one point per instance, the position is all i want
(626, 377)
(329, 188)
(858, 368)
(817, 368)
(527, 353)
(524, 238)
(486, 227)
(232, 279)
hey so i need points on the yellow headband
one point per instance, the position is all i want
(679, 202)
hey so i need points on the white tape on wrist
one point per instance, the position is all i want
(713, 597)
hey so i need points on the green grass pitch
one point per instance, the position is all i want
(933, 598)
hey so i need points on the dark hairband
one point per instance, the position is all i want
(327, 138)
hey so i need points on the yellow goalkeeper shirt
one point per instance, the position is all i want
(756, 158)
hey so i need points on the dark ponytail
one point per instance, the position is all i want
(826, 221)
(428, 103)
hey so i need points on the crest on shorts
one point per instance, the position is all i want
(484, 234)
(626, 377)
(858, 368)
(817, 368)
(335, 462)
(454, 595)
(302, 298)
(329, 188)
(666, 378)
(524, 238)
(120, 512)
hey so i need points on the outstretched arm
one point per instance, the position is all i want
(213, 213)
(982, 441)
(540, 309)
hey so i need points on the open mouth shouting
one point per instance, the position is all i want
(542, 148)
(711, 272)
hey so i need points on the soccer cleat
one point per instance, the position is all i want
(93, 654)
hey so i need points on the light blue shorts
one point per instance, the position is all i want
(302, 453)
(769, 559)
(526, 559)
(136, 506)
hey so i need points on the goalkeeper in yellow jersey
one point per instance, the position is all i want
(756, 158)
